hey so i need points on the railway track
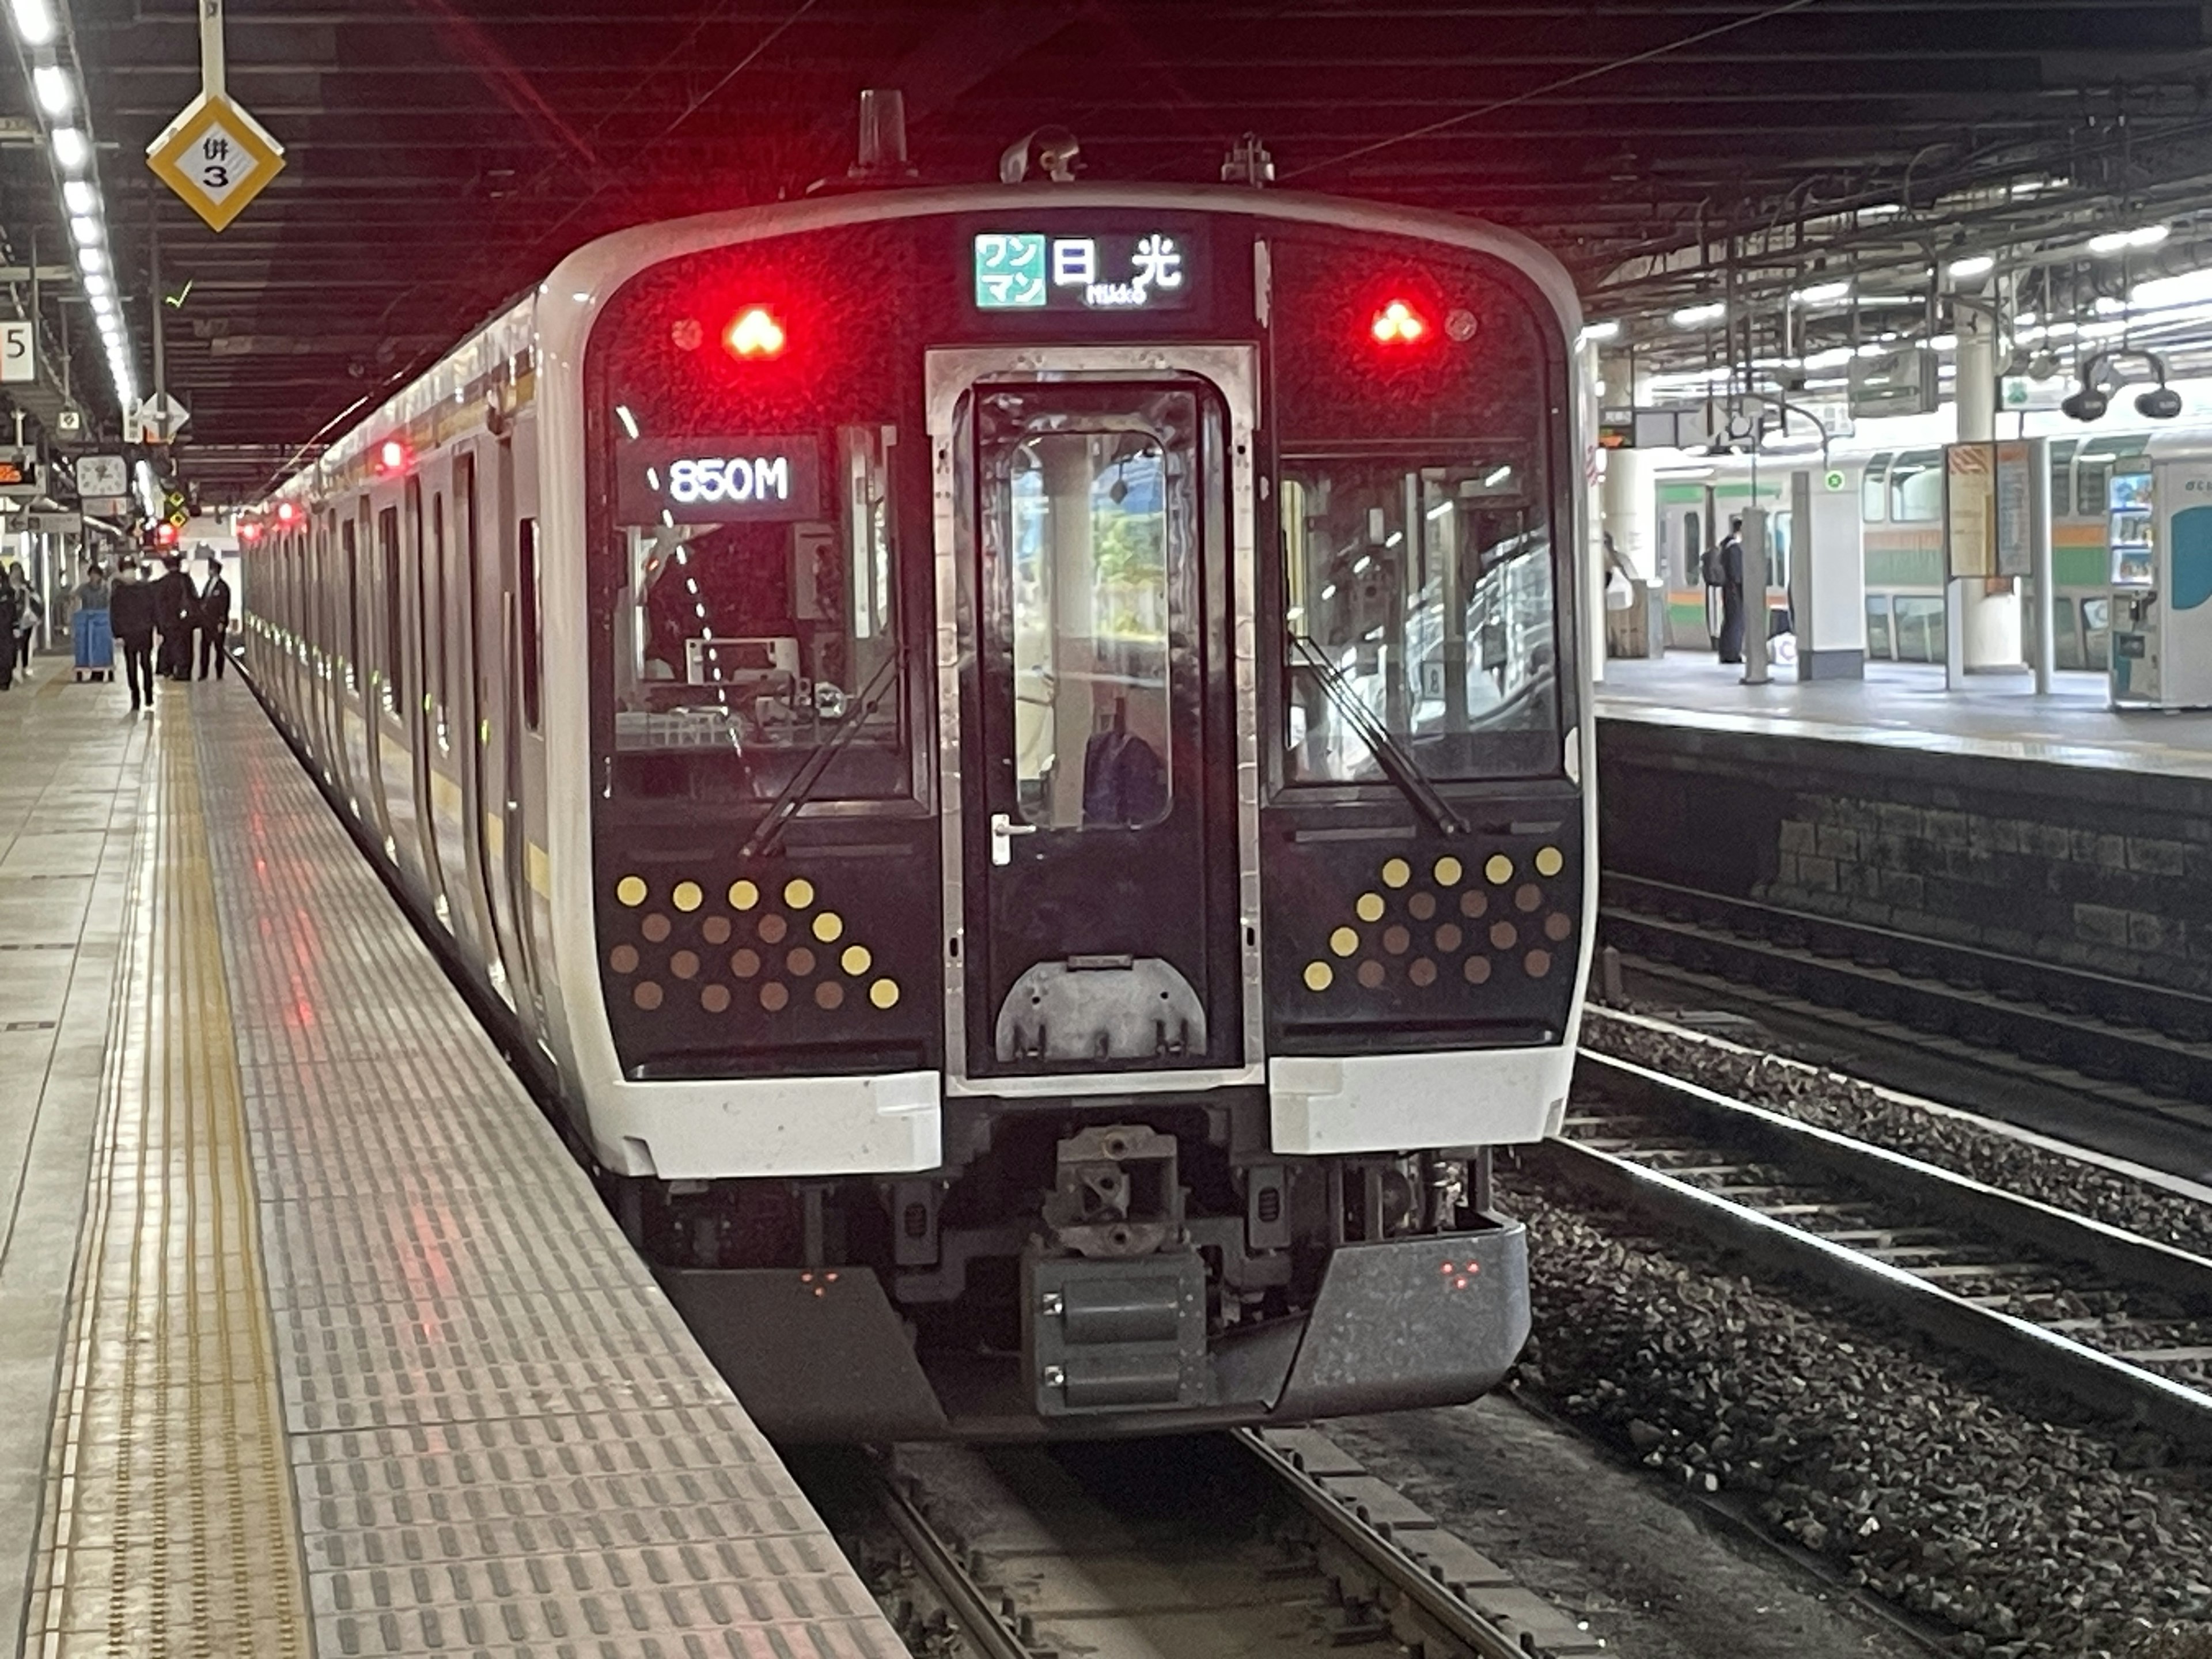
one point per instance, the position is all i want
(2137, 1044)
(1243, 1546)
(2121, 1323)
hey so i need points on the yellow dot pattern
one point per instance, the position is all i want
(1375, 968)
(768, 928)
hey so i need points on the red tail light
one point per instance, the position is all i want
(755, 333)
(1399, 324)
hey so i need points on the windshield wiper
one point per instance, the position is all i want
(1400, 767)
(801, 790)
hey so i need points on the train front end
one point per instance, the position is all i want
(1077, 849)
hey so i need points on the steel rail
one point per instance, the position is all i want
(1940, 1202)
(2151, 1036)
(980, 1617)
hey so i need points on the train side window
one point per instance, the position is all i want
(435, 627)
(526, 598)
(1878, 645)
(1873, 490)
(1916, 487)
(2093, 480)
(387, 548)
(1694, 549)
(2062, 477)
(352, 605)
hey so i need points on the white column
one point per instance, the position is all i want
(1989, 621)
(1629, 510)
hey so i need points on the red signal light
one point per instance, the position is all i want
(755, 333)
(1398, 324)
(285, 513)
(392, 457)
(165, 534)
(249, 533)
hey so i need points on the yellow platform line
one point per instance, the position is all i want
(170, 1524)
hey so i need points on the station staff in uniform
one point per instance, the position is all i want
(131, 614)
(1731, 586)
(214, 619)
(174, 606)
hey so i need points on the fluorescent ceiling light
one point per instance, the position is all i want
(98, 287)
(1608, 330)
(2191, 287)
(1973, 266)
(86, 229)
(1881, 210)
(2119, 241)
(71, 149)
(1943, 343)
(79, 196)
(91, 260)
(1831, 358)
(1821, 293)
(1698, 316)
(34, 21)
(57, 92)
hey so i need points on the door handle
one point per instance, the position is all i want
(1003, 831)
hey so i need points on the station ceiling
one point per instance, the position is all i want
(443, 153)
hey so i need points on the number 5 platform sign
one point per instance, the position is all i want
(216, 157)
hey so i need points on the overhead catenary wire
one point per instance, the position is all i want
(1576, 79)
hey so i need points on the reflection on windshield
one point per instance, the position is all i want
(742, 646)
(1429, 590)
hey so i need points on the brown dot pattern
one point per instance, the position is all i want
(772, 928)
(715, 999)
(1372, 974)
(655, 927)
(830, 995)
(684, 964)
(1397, 941)
(800, 963)
(646, 995)
(774, 996)
(623, 959)
(1527, 896)
(1423, 971)
(715, 930)
(1421, 906)
(1538, 963)
(1504, 936)
(1558, 926)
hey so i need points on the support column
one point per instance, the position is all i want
(1628, 511)
(1989, 621)
(1827, 576)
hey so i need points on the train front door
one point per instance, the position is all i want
(1089, 563)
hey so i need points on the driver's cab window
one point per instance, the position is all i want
(753, 624)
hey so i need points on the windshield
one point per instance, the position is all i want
(752, 610)
(1429, 589)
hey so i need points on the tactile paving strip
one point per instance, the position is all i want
(169, 1521)
(501, 1438)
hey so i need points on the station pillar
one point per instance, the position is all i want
(1987, 629)
(1628, 511)
(1827, 575)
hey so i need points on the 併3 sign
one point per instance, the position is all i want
(217, 158)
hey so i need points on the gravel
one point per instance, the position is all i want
(1955, 1492)
(1850, 1106)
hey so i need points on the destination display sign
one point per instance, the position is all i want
(719, 480)
(1082, 271)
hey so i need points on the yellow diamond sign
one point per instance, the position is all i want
(216, 157)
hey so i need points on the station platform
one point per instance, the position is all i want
(1903, 705)
(314, 1339)
(2046, 827)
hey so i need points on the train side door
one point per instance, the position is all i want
(1094, 843)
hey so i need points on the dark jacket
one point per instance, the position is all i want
(214, 605)
(175, 605)
(10, 614)
(130, 611)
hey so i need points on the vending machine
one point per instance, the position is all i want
(2160, 535)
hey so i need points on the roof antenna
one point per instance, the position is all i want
(883, 138)
(1248, 163)
(1055, 149)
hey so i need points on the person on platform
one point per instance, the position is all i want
(214, 619)
(131, 613)
(9, 610)
(174, 605)
(1731, 586)
(89, 625)
(29, 610)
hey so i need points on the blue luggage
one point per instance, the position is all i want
(95, 645)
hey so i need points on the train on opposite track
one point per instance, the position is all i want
(1022, 754)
